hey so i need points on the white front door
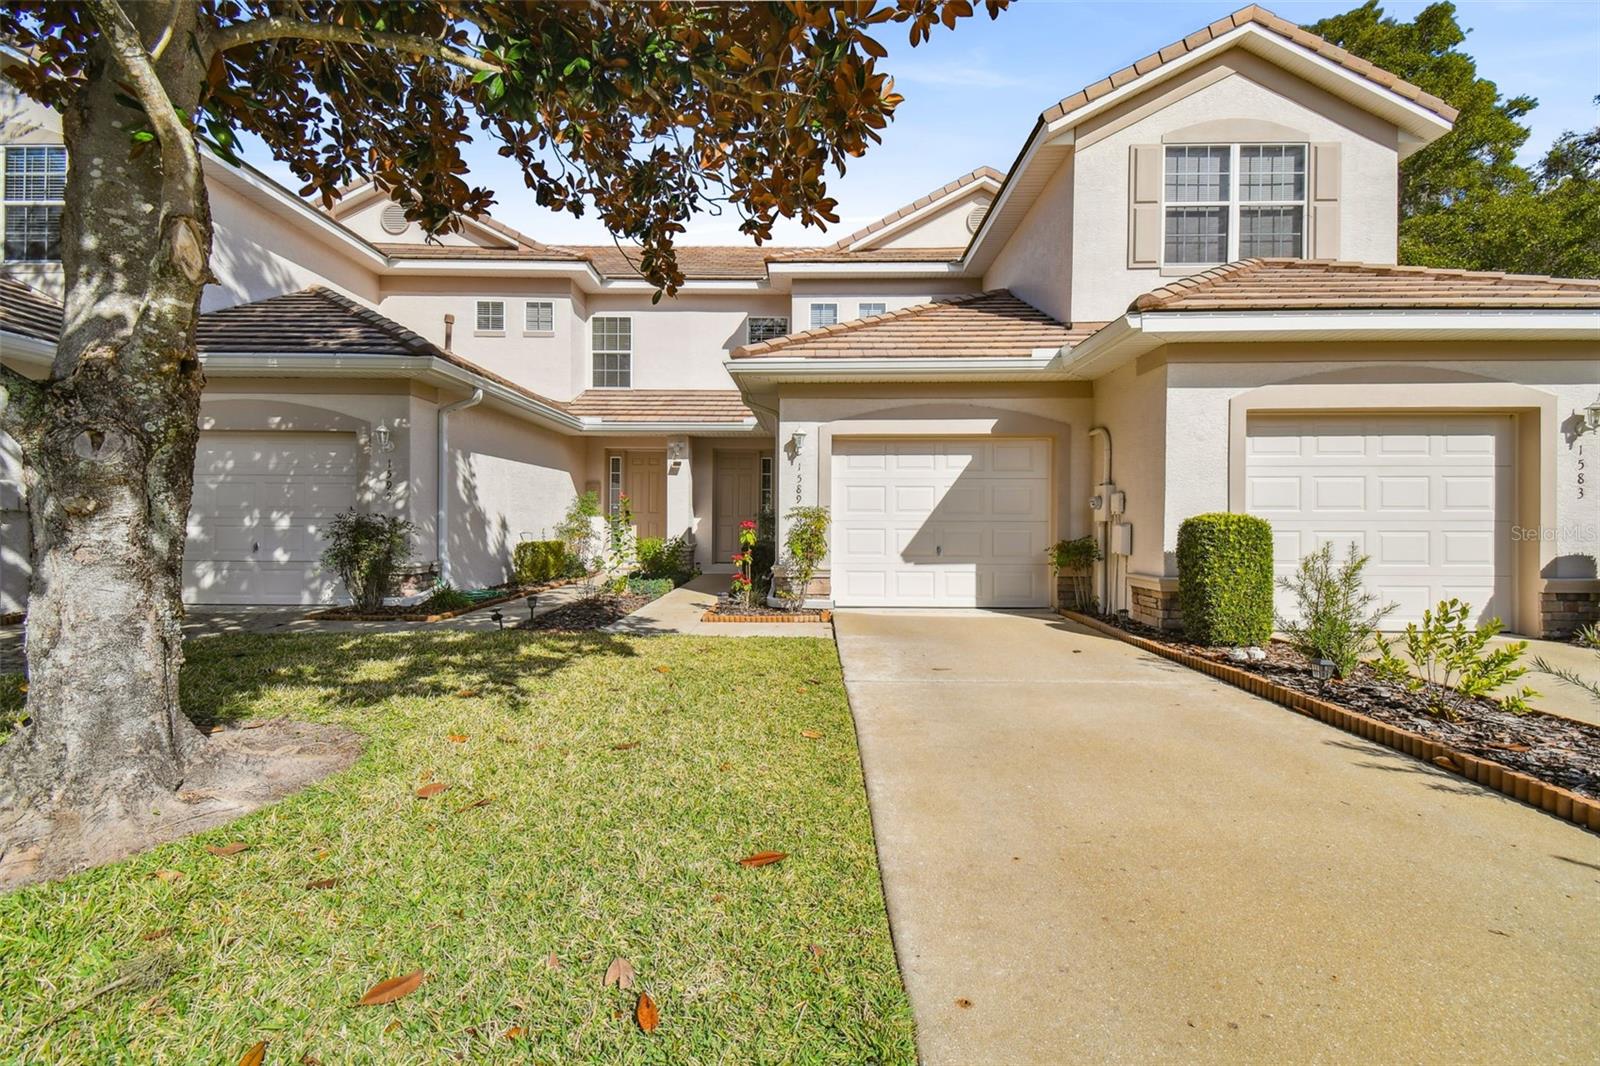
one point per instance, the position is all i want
(259, 515)
(1426, 497)
(960, 522)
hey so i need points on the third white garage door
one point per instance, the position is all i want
(1427, 497)
(941, 523)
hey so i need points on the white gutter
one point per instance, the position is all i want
(441, 525)
(26, 349)
(910, 367)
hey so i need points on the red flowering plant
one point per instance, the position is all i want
(742, 589)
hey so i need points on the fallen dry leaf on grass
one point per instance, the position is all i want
(763, 858)
(964, 1003)
(168, 876)
(629, 746)
(392, 989)
(646, 1014)
(811, 734)
(392, 1026)
(484, 802)
(467, 693)
(815, 949)
(663, 669)
(226, 849)
(619, 973)
(458, 738)
(552, 963)
(255, 1055)
(157, 934)
(513, 1032)
(325, 882)
(725, 767)
(431, 790)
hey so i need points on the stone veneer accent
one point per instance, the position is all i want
(1561, 613)
(1155, 607)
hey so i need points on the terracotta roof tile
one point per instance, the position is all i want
(1305, 285)
(310, 320)
(699, 261)
(1259, 16)
(412, 250)
(918, 204)
(661, 405)
(992, 324)
(26, 310)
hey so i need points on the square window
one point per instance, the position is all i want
(1275, 173)
(867, 310)
(1197, 174)
(36, 173)
(767, 327)
(34, 185)
(33, 233)
(539, 316)
(491, 316)
(1271, 232)
(1197, 234)
(824, 315)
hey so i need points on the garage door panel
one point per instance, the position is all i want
(1427, 501)
(968, 519)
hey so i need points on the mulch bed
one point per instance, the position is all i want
(416, 612)
(726, 610)
(591, 612)
(1554, 749)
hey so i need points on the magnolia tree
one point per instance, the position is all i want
(645, 112)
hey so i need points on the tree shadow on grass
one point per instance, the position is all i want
(225, 679)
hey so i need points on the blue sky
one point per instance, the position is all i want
(973, 94)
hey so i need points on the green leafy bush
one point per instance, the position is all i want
(575, 529)
(1074, 560)
(534, 562)
(660, 558)
(1225, 578)
(764, 554)
(806, 544)
(654, 587)
(446, 597)
(364, 550)
(1335, 618)
(1448, 653)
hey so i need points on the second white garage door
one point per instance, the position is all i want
(1427, 498)
(941, 523)
(259, 516)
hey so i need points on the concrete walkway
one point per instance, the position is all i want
(1091, 854)
(680, 611)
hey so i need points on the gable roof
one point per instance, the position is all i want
(310, 320)
(994, 324)
(1258, 16)
(980, 174)
(28, 312)
(1306, 285)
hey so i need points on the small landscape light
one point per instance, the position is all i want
(533, 604)
(1323, 669)
(499, 619)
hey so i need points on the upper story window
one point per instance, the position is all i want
(35, 186)
(766, 327)
(539, 316)
(869, 309)
(1209, 217)
(824, 315)
(491, 316)
(613, 351)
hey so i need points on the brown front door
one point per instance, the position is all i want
(737, 498)
(645, 482)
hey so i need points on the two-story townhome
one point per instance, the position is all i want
(1181, 297)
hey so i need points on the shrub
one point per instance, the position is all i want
(446, 597)
(663, 558)
(364, 550)
(577, 527)
(765, 552)
(1448, 653)
(1074, 560)
(654, 587)
(534, 562)
(1336, 618)
(1225, 578)
(806, 544)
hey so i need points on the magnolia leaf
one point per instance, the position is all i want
(629, 746)
(552, 962)
(226, 849)
(458, 738)
(619, 973)
(513, 1032)
(467, 693)
(157, 934)
(431, 790)
(763, 858)
(646, 1014)
(256, 1054)
(663, 669)
(811, 734)
(168, 876)
(323, 882)
(392, 989)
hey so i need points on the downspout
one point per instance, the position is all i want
(441, 481)
(1103, 529)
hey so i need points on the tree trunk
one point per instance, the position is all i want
(108, 444)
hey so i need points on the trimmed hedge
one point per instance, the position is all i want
(1225, 578)
(534, 562)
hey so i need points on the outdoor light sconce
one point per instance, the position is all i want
(382, 438)
(1323, 670)
(798, 438)
(1591, 417)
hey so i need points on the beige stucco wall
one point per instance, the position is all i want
(362, 212)
(681, 342)
(944, 228)
(1036, 263)
(849, 295)
(256, 253)
(1131, 404)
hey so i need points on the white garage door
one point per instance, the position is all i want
(1428, 498)
(260, 509)
(941, 523)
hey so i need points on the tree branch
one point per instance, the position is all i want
(273, 27)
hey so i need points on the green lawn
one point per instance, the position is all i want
(585, 848)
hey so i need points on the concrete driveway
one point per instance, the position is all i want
(1092, 854)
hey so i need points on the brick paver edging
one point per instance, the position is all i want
(341, 614)
(1580, 810)
(712, 616)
